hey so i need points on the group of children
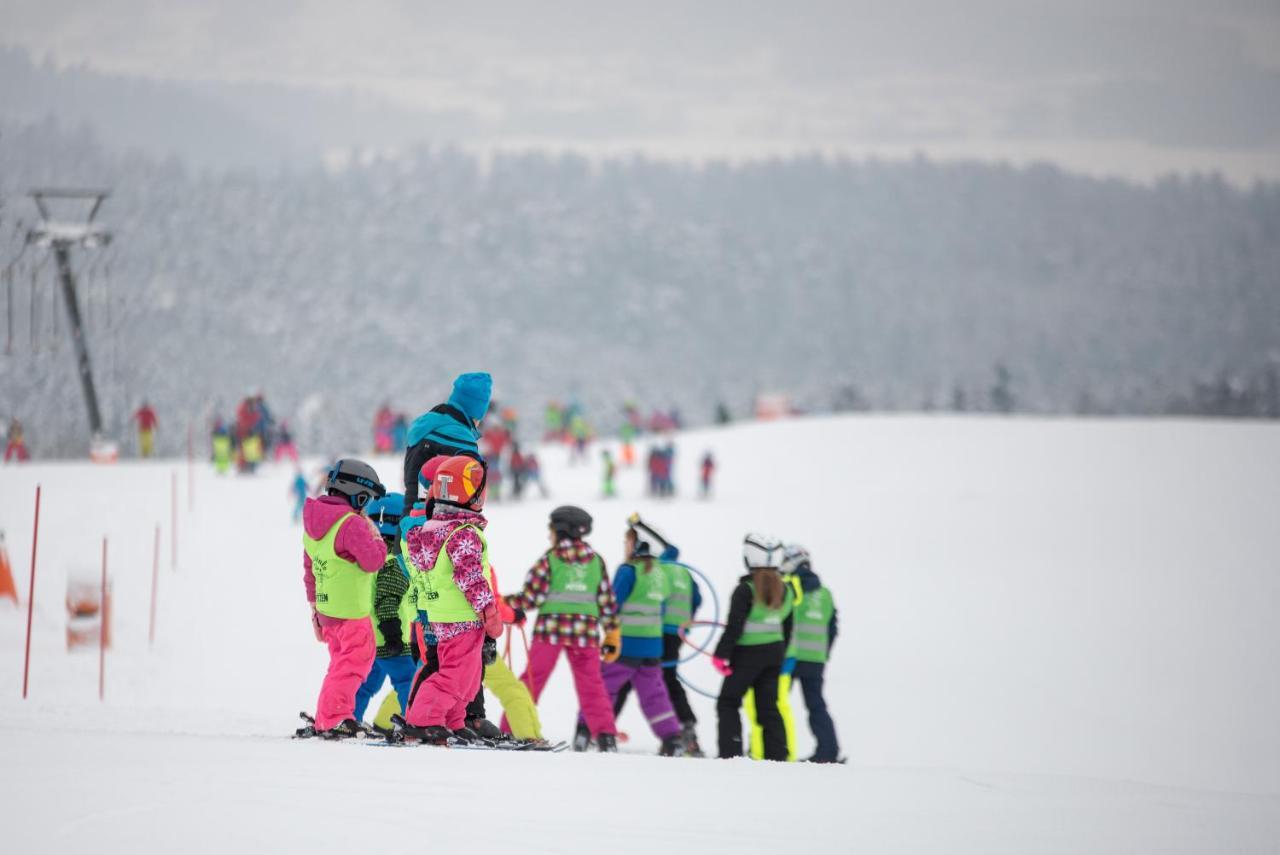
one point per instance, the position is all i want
(401, 588)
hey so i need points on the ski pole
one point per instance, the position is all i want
(684, 636)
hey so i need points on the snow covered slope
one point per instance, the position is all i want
(1057, 636)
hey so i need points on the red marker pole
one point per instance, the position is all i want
(173, 522)
(155, 583)
(102, 627)
(31, 596)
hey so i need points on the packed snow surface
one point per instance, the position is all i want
(1056, 636)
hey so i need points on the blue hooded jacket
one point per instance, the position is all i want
(470, 397)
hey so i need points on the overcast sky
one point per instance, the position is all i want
(1112, 87)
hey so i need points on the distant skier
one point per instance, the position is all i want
(451, 556)
(343, 551)
(569, 586)
(299, 491)
(221, 443)
(610, 470)
(394, 608)
(145, 417)
(284, 445)
(752, 648)
(708, 472)
(384, 422)
(15, 447)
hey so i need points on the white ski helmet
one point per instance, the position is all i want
(760, 551)
(794, 556)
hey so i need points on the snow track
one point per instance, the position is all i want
(1034, 615)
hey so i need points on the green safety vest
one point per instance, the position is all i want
(221, 447)
(764, 625)
(641, 615)
(574, 588)
(809, 630)
(678, 609)
(343, 590)
(407, 611)
(438, 596)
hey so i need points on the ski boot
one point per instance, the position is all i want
(486, 729)
(466, 734)
(672, 746)
(689, 736)
(608, 743)
(582, 738)
(347, 729)
(307, 731)
(432, 734)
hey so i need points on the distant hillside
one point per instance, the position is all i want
(844, 284)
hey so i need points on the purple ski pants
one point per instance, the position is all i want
(651, 690)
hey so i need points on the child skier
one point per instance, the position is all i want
(641, 587)
(569, 586)
(342, 552)
(680, 607)
(814, 634)
(752, 648)
(452, 558)
(394, 609)
(756, 748)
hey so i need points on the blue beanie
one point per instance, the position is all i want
(471, 394)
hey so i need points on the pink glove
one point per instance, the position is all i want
(315, 624)
(722, 666)
(492, 621)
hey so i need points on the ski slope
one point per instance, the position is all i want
(1056, 636)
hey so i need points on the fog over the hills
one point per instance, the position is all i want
(1132, 89)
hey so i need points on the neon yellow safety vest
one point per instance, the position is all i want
(343, 590)
(764, 625)
(678, 609)
(438, 596)
(809, 639)
(574, 587)
(641, 615)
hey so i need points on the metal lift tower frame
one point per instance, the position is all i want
(61, 236)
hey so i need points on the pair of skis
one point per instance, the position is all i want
(404, 734)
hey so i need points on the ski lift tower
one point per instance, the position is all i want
(61, 235)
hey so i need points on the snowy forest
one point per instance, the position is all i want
(874, 285)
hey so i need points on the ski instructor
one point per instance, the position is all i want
(448, 429)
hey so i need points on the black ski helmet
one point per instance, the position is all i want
(356, 480)
(570, 521)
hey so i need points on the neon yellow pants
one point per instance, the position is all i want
(517, 703)
(788, 721)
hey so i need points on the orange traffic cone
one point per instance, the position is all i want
(7, 588)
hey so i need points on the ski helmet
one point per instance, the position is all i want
(356, 480)
(427, 474)
(460, 481)
(761, 551)
(794, 558)
(570, 521)
(385, 513)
